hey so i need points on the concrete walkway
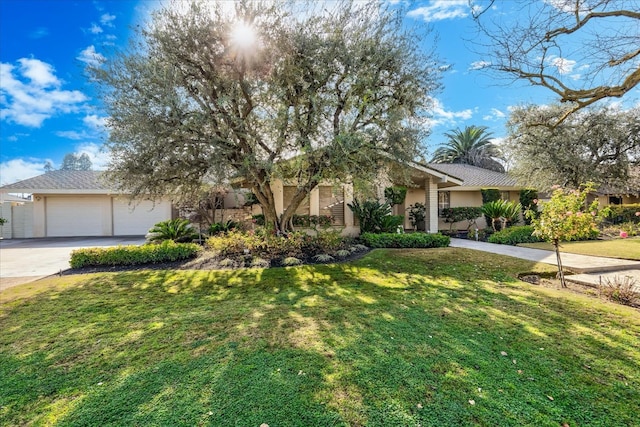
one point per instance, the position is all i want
(590, 269)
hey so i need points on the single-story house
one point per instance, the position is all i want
(78, 203)
(468, 194)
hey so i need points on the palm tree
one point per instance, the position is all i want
(472, 146)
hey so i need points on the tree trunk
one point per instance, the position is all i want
(556, 244)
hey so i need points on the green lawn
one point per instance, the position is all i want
(440, 337)
(618, 248)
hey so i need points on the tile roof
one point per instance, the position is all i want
(473, 176)
(60, 180)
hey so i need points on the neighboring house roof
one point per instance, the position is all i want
(61, 181)
(631, 187)
(474, 177)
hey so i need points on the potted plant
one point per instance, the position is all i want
(417, 215)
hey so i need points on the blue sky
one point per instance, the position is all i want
(48, 108)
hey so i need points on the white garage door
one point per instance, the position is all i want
(137, 219)
(78, 216)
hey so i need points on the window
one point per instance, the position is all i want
(444, 201)
(504, 195)
(332, 203)
(615, 200)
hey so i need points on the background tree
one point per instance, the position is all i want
(598, 145)
(76, 162)
(582, 50)
(564, 218)
(205, 94)
(473, 146)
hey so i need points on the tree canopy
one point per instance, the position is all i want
(206, 93)
(75, 162)
(596, 144)
(582, 50)
(472, 146)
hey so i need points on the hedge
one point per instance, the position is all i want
(133, 254)
(514, 235)
(619, 214)
(409, 240)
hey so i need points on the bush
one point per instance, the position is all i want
(178, 230)
(619, 214)
(370, 214)
(133, 255)
(329, 241)
(222, 227)
(514, 235)
(411, 240)
(621, 290)
(468, 213)
(271, 246)
(528, 199)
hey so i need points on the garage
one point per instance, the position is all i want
(70, 203)
(68, 216)
(137, 219)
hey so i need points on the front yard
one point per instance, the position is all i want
(441, 337)
(617, 248)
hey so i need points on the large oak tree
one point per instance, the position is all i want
(205, 94)
(596, 144)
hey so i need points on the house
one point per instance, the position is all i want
(468, 194)
(77, 203)
(80, 203)
(328, 199)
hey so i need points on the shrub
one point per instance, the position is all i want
(258, 219)
(621, 290)
(390, 223)
(514, 235)
(329, 241)
(238, 243)
(323, 258)
(133, 255)
(370, 214)
(417, 214)
(411, 240)
(222, 227)
(178, 230)
(528, 199)
(291, 261)
(453, 215)
(501, 212)
(618, 214)
(489, 195)
(613, 231)
(313, 221)
(395, 195)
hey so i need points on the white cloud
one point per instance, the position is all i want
(442, 116)
(494, 115)
(479, 65)
(95, 29)
(95, 122)
(90, 57)
(31, 93)
(439, 10)
(99, 157)
(107, 19)
(564, 66)
(72, 134)
(15, 170)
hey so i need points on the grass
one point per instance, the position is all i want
(617, 248)
(439, 337)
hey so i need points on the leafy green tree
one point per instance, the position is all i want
(566, 217)
(76, 162)
(598, 145)
(472, 146)
(264, 93)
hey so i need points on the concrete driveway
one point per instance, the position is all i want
(26, 260)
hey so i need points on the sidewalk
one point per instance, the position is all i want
(589, 268)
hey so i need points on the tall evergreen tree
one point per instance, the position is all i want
(472, 146)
